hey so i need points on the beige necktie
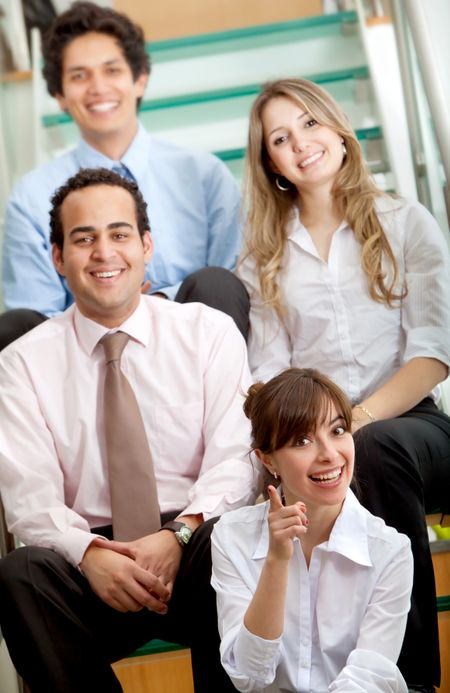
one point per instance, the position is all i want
(134, 497)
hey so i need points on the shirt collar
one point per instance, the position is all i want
(348, 536)
(90, 332)
(383, 203)
(299, 234)
(136, 158)
(386, 203)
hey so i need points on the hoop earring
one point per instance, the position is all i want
(279, 180)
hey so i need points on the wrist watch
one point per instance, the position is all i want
(182, 532)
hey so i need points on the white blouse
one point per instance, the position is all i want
(333, 324)
(345, 617)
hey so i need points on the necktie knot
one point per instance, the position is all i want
(123, 171)
(113, 345)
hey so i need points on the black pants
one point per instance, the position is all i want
(403, 469)
(62, 637)
(214, 286)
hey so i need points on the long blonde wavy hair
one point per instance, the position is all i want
(269, 208)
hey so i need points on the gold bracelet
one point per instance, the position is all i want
(366, 411)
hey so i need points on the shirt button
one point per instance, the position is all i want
(304, 664)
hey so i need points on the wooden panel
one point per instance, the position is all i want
(441, 562)
(444, 643)
(174, 18)
(168, 672)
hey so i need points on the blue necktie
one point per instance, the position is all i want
(123, 171)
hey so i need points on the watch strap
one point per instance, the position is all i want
(182, 531)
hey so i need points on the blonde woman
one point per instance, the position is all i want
(312, 590)
(354, 282)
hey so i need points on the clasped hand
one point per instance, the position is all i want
(129, 576)
(285, 523)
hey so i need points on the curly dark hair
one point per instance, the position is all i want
(89, 177)
(82, 18)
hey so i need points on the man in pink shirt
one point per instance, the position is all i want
(70, 602)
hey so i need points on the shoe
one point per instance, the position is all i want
(421, 689)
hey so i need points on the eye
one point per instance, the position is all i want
(310, 123)
(280, 140)
(339, 430)
(301, 442)
(120, 236)
(113, 70)
(76, 76)
(84, 240)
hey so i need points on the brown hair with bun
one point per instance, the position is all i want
(291, 405)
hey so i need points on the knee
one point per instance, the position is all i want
(384, 451)
(221, 289)
(371, 438)
(19, 565)
(209, 280)
(15, 323)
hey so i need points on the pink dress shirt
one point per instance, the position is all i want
(187, 365)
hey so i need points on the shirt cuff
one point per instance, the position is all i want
(256, 657)
(367, 671)
(72, 544)
(169, 291)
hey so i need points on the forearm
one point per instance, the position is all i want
(410, 384)
(265, 614)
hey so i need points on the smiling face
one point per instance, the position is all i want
(301, 150)
(99, 92)
(103, 255)
(316, 468)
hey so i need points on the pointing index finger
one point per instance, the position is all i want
(275, 500)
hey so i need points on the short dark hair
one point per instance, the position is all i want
(90, 177)
(82, 18)
(292, 405)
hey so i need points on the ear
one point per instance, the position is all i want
(62, 103)
(141, 84)
(266, 460)
(147, 242)
(273, 168)
(57, 256)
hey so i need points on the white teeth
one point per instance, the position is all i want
(106, 106)
(106, 275)
(327, 477)
(311, 159)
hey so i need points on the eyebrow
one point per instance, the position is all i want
(281, 127)
(75, 68)
(92, 229)
(337, 418)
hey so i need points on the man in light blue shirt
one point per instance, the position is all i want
(96, 66)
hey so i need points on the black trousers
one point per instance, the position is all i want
(62, 637)
(214, 286)
(403, 469)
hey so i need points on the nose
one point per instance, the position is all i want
(300, 141)
(102, 249)
(328, 450)
(96, 83)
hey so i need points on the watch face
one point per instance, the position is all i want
(185, 534)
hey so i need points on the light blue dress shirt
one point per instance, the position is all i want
(193, 207)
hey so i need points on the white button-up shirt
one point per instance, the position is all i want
(187, 365)
(332, 323)
(345, 617)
